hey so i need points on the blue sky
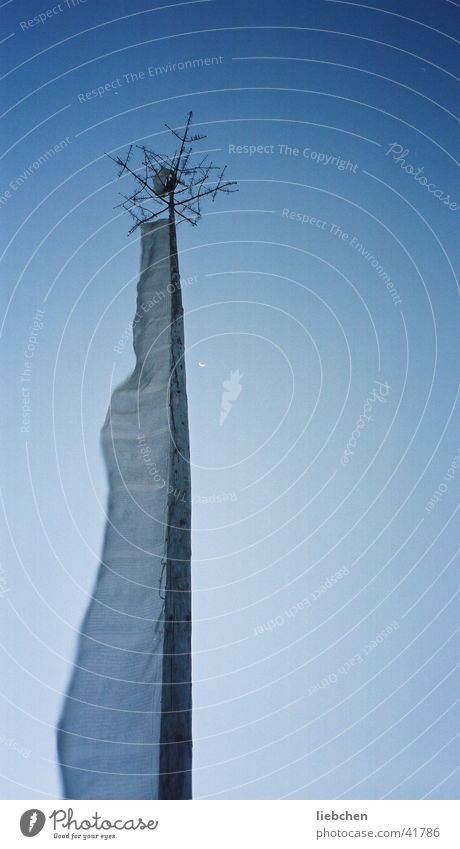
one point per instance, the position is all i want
(325, 612)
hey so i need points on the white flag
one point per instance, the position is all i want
(125, 731)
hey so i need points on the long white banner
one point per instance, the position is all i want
(241, 824)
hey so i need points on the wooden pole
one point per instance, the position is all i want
(176, 720)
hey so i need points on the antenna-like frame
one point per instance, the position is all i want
(171, 183)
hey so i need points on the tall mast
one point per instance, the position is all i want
(174, 184)
(176, 719)
(126, 727)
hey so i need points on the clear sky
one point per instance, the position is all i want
(325, 607)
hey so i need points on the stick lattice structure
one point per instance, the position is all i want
(163, 181)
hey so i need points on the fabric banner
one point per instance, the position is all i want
(121, 708)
